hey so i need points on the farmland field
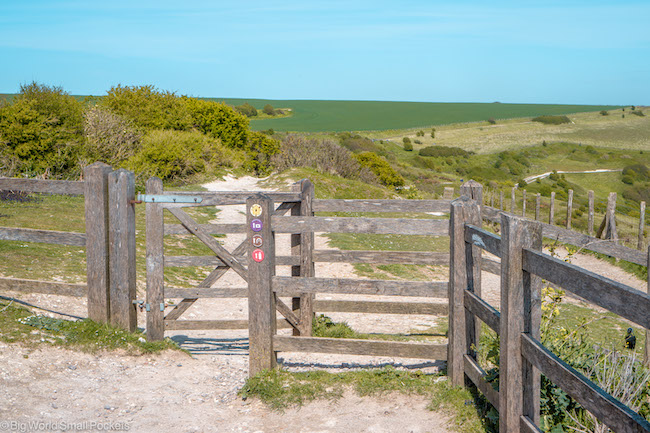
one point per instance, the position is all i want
(320, 116)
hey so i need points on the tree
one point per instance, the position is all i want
(433, 132)
(247, 109)
(406, 140)
(268, 109)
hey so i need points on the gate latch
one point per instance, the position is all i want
(147, 306)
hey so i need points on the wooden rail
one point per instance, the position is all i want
(415, 206)
(43, 236)
(66, 187)
(287, 286)
(399, 226)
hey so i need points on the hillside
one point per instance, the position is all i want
(320, 116)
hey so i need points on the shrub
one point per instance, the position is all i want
(41, 131)
(324, 155)
(246, 109)
(552, 120)
(260, 149)
(408, 146)
(109, 137)
(381, 168)
(417, 142)
(604, 113)
(148, 107)
(357, 143)
(443, 151)
(268, 109)
(638, 113)
(174, 155)
(491, 121)
(420, 133)
(219, 121)
(406, 140)
(433, 132)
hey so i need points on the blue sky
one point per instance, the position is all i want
(573, 52)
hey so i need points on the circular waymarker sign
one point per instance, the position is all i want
(258, 255)
(256, 210)
(258, 241)
(256, 225)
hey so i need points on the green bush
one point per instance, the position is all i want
(406, 140)
(219, 121)
(148, 107)
(110, 138)
(260, 149)
(176, 155)
(246, 109)
(41, 132)
(381, 168)
(604, 113)
(408, 147)
(552, 120)
(638, 113)
(268, 109)
(443, 151)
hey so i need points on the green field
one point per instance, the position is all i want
(320, 116)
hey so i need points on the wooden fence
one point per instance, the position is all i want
(607, 229)
(109, 241)
(522, 356)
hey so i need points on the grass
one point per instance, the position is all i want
(280, 389)
(588, 128)
(315, 116)
(323, 326)
(19, 325)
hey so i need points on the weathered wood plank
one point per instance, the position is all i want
(590, 216)
(491, 266)
(193, 292)
(190, 325)
(210, 242)
(483, 310)
(377, 307)
(518, 384)
(606, 408)
(604, 292)
(345, 346)
(527, 425)
(261, 299)
(569, 209)
(43, 236)
(401, 226)
(463, 211)
(288, 313)
(219, 198)
(538, 206)
(155, 268)
(67, 187)
(211, 229)
(551, 209)
(640, 239)
(45, 287)
(287, 286)
(339, 205)
(580, 240)
(477, 375)
(121, 236)
(186, 261)
(97, 250)
(303, 246)
(482, 239)
(382, 257)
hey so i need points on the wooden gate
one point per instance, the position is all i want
(162, 316)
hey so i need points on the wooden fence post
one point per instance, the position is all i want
(523, 203)
(501, 200)
(569, 209)
(448, 193)
(302, 244)
(261, 299)
(513, 198)
(473, 190)
(519, 382)
(121, 192)
(463, 210)
(551, 210)
(646, 353)
(641, 225)
(96, 209)
(590, 220)
(155, 266)
(607, 228)
(538, 205)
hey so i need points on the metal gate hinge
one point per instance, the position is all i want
(147, 306)
(166, 198)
